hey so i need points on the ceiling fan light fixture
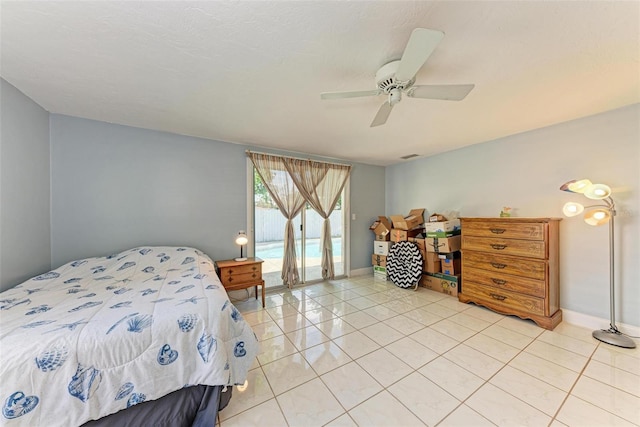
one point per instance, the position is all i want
(399, 76)
(395, 96)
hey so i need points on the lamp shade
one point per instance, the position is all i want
(241, 238)
(597, 191)
(597, 216)
(572, 209)
(576, 186)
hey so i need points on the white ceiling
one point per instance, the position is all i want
(252, 72)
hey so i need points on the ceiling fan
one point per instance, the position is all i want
(398, 77)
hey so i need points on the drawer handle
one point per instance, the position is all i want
(253, 275)
(230, 271)
(497, 230)
(498, 265)
(498, 281)
(498, 297)
(230, 279)
(498, 247)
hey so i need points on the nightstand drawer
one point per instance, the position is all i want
(234, 279)
(243, 273)
(243, 269)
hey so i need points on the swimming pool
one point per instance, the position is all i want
(275, 250)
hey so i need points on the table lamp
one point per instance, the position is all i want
(241, 240)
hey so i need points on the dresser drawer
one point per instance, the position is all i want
(501, 281)
(505, 230)
(524, 267)
(504, 300)
(527, 248)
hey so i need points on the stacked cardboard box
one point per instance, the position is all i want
(442, 228)
(405, 227)
(379, 259)
(442, 236)
(380, 273)
(444, 283)
(442, 243)
(431, 263)
(400, 228)
(381, 228)
(450, 263)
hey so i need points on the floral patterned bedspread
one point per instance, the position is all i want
(101, 334)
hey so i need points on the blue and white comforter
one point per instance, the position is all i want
(98, 335)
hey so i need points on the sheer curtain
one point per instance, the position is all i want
(289, 200)
(321, 185)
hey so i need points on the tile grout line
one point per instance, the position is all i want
(401, 298)
(581, 374)
(404, 336)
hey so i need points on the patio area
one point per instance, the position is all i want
(272, 254)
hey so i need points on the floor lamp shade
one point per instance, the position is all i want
(576, 185)
(597, 191)
(595, 215)
(572, 209)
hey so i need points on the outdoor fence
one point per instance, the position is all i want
(270, 224)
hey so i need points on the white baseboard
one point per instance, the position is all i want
(361, 272)
(592, 322)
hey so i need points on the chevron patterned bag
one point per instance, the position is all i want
(404, 264)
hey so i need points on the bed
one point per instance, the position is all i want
(100, 335)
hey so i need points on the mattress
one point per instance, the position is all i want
(99, 335)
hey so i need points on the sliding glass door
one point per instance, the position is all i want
(269, 226)
(312, 247)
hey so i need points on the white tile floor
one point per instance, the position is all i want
(362, 352)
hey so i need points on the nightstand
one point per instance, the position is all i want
(236, 275)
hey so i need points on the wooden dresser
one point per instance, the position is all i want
(511, 266)
(244, 274)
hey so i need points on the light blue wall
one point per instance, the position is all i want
(367, 202)
(113, 187)
(24, 187)
(116, 187)
(524, 171)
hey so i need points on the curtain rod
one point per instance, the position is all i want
(298, 158)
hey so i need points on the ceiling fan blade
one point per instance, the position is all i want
(445, 92)
(382, 115)
(421, 44)
(352, 94)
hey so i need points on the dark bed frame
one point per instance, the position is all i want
(195, 406)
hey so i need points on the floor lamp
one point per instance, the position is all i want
(595, 215)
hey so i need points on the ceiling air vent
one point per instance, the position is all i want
(409, 156)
